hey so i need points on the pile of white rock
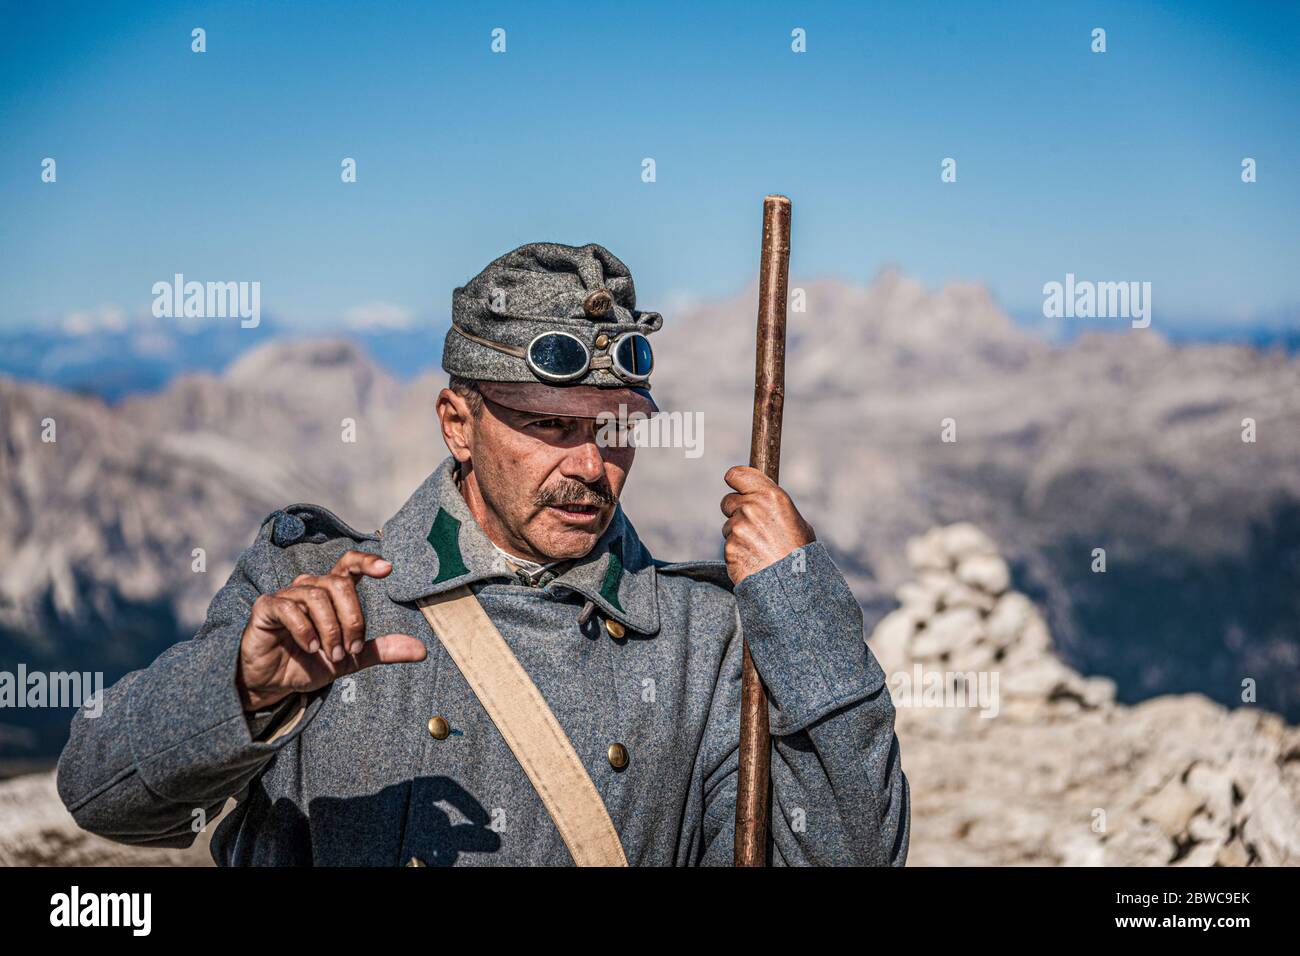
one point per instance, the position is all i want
(960, 616)
(1058, 773)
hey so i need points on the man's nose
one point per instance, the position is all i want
(584, 461)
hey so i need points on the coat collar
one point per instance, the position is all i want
(434, 544)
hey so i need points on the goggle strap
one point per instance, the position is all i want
(506, 349)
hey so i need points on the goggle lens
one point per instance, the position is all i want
(633, 357)
(558, 356)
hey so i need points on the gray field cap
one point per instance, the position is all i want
(548, 287)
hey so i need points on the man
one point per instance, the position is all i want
(338, 762)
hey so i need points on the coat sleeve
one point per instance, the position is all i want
(839, 796)
(171, 743)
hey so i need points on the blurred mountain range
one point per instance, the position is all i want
(112, 357)
(1118, 440)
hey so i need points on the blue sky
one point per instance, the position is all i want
(225, 165)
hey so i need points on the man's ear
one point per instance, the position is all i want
(457, 422)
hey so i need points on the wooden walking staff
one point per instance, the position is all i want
(765, 455)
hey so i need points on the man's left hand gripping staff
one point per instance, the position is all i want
(762, 526)
(834, 753)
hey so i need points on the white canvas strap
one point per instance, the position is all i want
(529, 727)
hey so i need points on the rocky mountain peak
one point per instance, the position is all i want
(287, 360)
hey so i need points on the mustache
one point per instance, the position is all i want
(570, 492)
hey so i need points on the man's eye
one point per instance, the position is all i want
(547, 423)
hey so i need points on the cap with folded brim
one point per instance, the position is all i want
(582, 291)
(568, 401)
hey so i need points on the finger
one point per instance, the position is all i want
(347, 608)
(360, 562)
(738, 527)
(732, 554)
(318, 605)
(745, 479)
(731, 503)
(738, 530)
(392, 649)
(291, 617)
(299, 626)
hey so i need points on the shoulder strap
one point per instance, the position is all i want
(529, 727)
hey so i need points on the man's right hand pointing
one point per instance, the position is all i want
(313, 632)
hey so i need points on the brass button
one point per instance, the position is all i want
(439, 729)
(617, 756)
(615, 628)
(602, 340)
(416, 861)
(598, 303)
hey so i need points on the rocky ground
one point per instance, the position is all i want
(35, 830)
(1025, 761)
(1017, 759)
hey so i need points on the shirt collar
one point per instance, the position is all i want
(434, 544)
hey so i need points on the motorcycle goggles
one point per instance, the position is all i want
(563, 357)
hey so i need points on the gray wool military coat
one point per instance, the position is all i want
(359, 780)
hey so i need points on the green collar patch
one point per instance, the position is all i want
(444, 536)
(613, 574)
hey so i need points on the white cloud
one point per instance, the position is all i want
(378, 315)
(105, 318)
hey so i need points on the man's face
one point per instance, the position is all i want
(541, 485)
